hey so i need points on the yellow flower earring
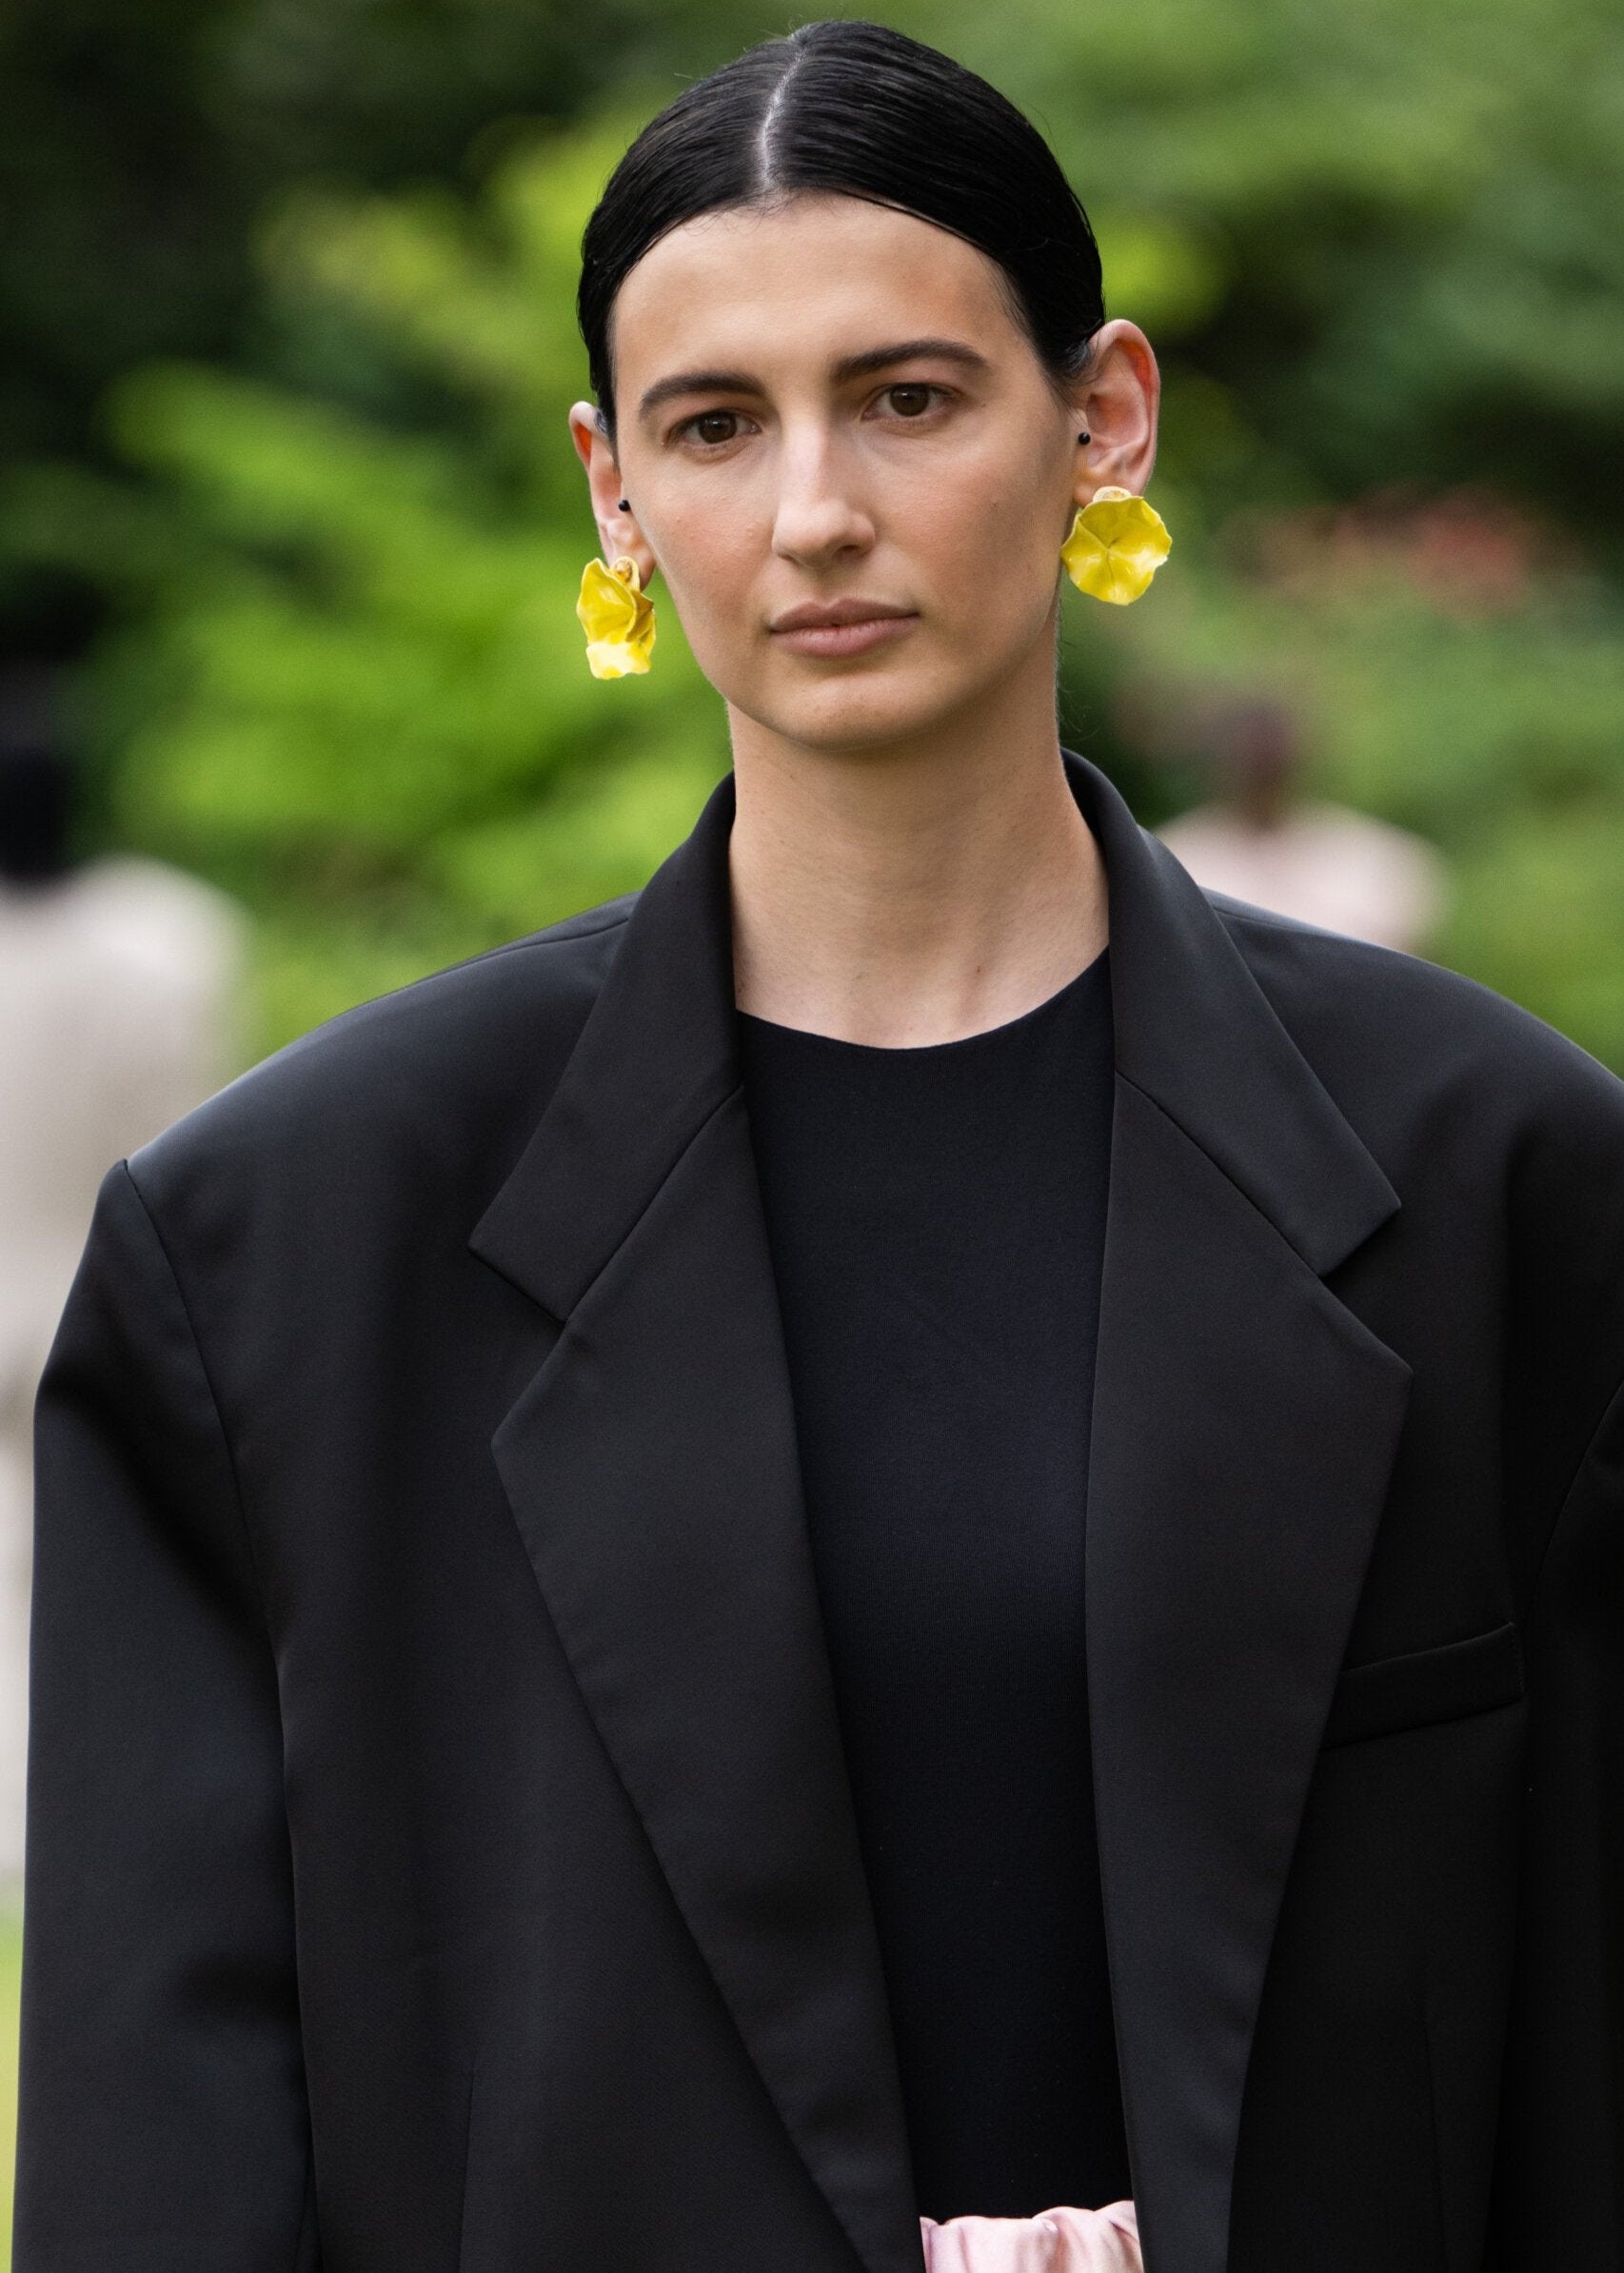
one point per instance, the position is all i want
(618, 617)
(1116, 546)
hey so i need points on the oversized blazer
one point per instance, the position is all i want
(440, 1857)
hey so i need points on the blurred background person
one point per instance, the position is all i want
(1261, 839)
(119, 980)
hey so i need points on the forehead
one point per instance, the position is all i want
(811, 278)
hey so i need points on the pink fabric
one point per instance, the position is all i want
(1058, 2241)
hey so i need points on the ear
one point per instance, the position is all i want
(618, 530)
(1117, 403)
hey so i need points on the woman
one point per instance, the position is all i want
(917, 1527)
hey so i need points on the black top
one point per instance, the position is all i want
(936, 1218)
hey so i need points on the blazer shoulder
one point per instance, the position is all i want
(1479, 1114)
(1375, 1021)
(461, 1050)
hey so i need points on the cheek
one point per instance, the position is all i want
(990, 553)
(706, 561)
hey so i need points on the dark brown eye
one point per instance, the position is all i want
(714, 426)
(909, 402)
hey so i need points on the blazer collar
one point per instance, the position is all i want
(1245, 1426)
(1196, 1034)
(658, 1051)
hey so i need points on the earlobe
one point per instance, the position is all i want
(622, 540)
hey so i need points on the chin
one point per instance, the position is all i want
(852, 711)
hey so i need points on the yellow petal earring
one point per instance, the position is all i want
(618, 617)
(1116, 546)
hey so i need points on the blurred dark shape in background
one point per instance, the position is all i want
(36, 783)
(1260, 838)
(118, 1012)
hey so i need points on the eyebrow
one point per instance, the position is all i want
(849, 366)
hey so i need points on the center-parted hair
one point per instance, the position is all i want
(858, 110)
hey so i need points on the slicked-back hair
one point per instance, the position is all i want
(853, 110)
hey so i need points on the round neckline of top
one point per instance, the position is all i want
(915, 1051)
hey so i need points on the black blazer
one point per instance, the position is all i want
(440, 1856)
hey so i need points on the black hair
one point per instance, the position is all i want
(863, 111)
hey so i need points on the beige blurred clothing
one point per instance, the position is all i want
(1323, 864)
(118, 995)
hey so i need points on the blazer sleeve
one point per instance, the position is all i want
(1560, 2176)
(161, 2118)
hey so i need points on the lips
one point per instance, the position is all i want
(833, 615)
(834, 631)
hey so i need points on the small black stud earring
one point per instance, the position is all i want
(625, 505)
(1083, 437)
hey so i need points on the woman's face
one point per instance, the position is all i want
(826, 405)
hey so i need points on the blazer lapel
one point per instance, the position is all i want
(1245, 1426)
(652, 1470)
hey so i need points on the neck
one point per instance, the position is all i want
(913, 892)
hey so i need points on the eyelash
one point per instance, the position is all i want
(687, 426)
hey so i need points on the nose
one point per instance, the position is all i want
(820, 516)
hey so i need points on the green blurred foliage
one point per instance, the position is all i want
(351, 686)
(1379, 252)
(140, 138)
(1418, 216)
